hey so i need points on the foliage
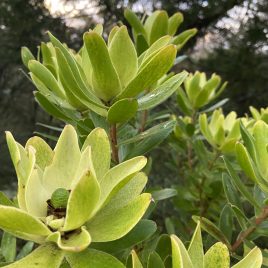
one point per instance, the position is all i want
(83, 202)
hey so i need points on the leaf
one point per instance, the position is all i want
(4, 200)
(163, 247)
(155, 261)
(163, 194)
(92, 258)
(105, 80)
(136, 263)
(72, 242)
(86, 194)
(141, 232)
(20, 224)
(215, 106)
(226, 222)
(212, 229)
(47, 255)
(162, 92)
(252, 260)
(134, 21)
(239, 184)
(123, 56)
(182, 38)
(180, 256)
(230, 192)
(195, 250)
(159, 27)
(26, 250)
(149, 142)
(153, 131)
(8, 247)
(240, 216)
(217, 256)
(174, 23)
(141, 44)
(100, 151)
(151, 72)
(122, 110)
(26, 56)
(46, 77)
(116, 223)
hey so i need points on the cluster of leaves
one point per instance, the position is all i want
(83, 201)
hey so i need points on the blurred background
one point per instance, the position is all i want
(232, 41)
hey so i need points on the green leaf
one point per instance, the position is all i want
(252, 260)
(241, 217)
(92, 258)
(65, 162)
(183, 103)
(230, 191)
(212, 229)
(71, 242)
(100, 151)
(239, 184)
(105, 80)
(118, 174)
(141, 44)
(195, 249)
(122, 110)
(180, 256)
(162, 92)
(8, 247)
(20, 224)
(164, 194)
(163, 247)
(134, 21)
(116, 223)
(123, 56)
(26, 250)
(46, 77)
(174, 23)
(151, 72)
(182, 38)
(45, 256)
(159, 26)
(136, 263)
(86, 194)
(217, 256)
(26, 56)
(226, 222)
(141, 232)
(43, 153)
(4, 200)
(154, 261)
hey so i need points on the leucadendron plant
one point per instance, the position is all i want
(106, 78)
(171, 252)
(155, 26)
(70, 197)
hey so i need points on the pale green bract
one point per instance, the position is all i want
(91, 214)
(194, 257)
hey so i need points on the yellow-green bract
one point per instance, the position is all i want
(93, 212)
(194, 257)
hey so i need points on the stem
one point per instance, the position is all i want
(189, 155)
(143, 120)
(240, 239)
(113, 136)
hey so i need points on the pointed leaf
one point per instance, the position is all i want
(123, 56)
(134, 21)
(100, 151)
(195, 249)
(85, 194)
(26, 56)
(155, 261)
(174, 23)
(252, 260)
(162, 92)
(105, 79)
(8, 247)
(151, 72)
